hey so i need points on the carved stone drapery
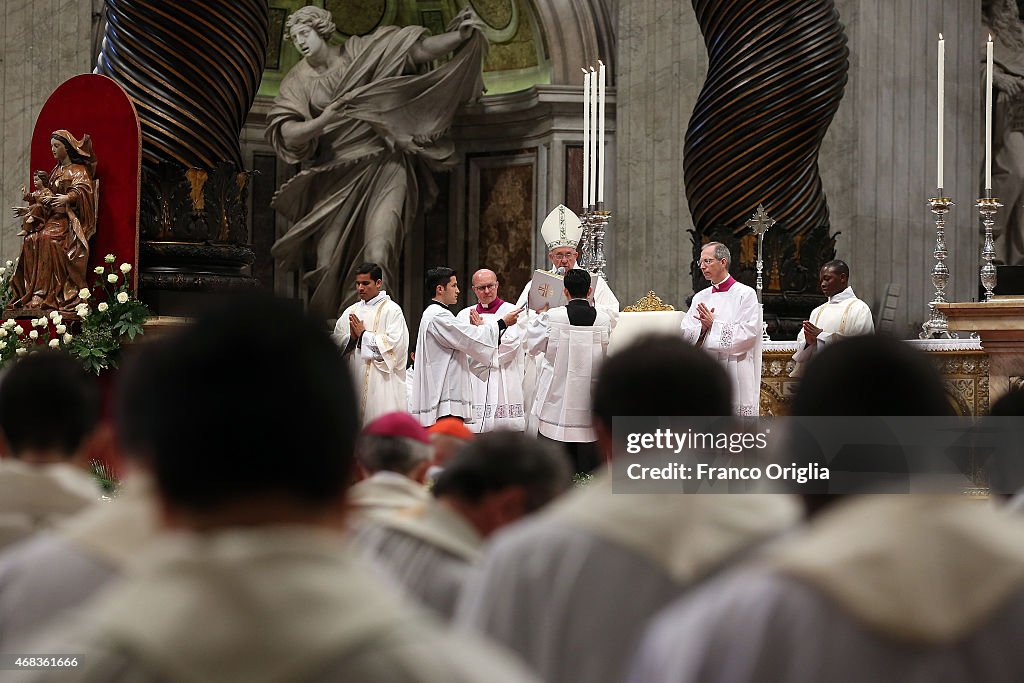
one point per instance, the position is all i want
(776, 74)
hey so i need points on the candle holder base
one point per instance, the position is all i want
(937, 326)
(988, 207)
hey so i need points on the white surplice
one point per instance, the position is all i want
(54, 571)
(429, 550)
(603, 299)
(378, 363)
(843, 315)
(734, 339)
(384, 492)
(569, 356)
(444, 345)
(261, 605)
(33, 497)
(571, 588)
(498, 386)
(887, 588)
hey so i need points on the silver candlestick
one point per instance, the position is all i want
(759, 224)
(937, 326)
(586, 247)
(988, 206)
(600, 220)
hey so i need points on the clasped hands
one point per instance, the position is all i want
(356, 326)
(811, 333)
(706, 316)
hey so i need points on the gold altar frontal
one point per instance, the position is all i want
(964, 366)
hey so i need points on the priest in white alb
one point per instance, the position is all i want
(843, 315)
(374, 336)
(444, 345)
(725, 320)
(498, 385)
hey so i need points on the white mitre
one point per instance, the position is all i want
(562, 228)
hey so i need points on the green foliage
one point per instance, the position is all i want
(108, 482)
(108, 313)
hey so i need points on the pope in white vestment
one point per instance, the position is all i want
(378, 358)
(725, 320)
(561, 232)
(843, 315)
(497, 386)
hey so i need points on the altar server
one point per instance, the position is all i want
(441, 386)
(571, 342)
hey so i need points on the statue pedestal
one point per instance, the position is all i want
(1000, 325)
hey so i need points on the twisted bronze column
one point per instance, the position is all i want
(192, 69)
(776, 74)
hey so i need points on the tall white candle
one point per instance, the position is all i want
(942, 89)
(586, 138)
(592, 195)
(600, 133)
(988, 114)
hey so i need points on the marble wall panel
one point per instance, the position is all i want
(45, 42)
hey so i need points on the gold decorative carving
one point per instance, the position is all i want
(196, 180)
(964, 377)
(647, 303)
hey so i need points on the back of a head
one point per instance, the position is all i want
(868, 376)
(871, 375)
(397, 454)
(661, 375)
(48, 403)
(252, 399)
(577, 283)
(497, 460)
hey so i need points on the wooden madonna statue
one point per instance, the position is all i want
(57, 225)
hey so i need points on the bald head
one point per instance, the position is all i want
(485, 286)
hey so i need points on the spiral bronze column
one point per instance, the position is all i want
(776, 74)
(192, 70)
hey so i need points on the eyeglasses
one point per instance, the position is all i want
(707, 261)
(484, 288)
